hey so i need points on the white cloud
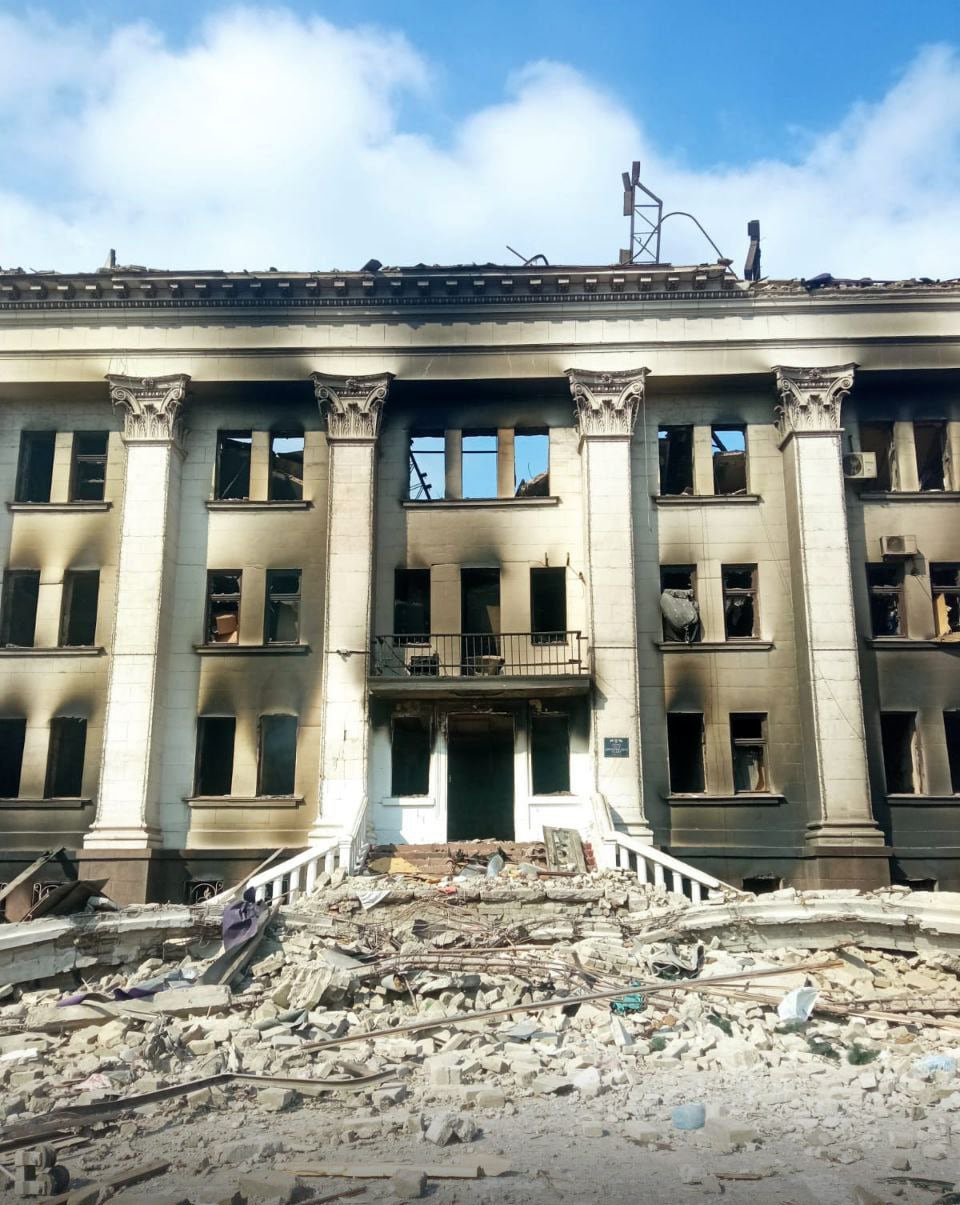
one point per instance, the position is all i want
(274, 139)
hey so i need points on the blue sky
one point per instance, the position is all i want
(319, 134)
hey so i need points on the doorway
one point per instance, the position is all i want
(480, 621)
(480, 777)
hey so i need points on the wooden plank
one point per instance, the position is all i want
(91, 1192)
(30, 871)
(473, 1169)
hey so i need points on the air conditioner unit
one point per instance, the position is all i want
(860, 466)
(897, 546)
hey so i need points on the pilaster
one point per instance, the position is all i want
(607, 404)
(127, 806)
(351, 408)
(808, 418)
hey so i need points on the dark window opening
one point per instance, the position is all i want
(35, 470)
(222, 624)
(945, 587)
(951, 725)
(901, 755)
(931, 443)
(78, 618)
(550, 754)
(13, 733)
(88, 472)
(748, 737)
(878, 439)
(428, 458)
(282, 610)
(233, 465)
(411, 603)
(729, 460)
(277, 761)
(68, 739)
(548, 605)
(762, 884)
(214, 770)
(409, 756)
(885, 583)
(678, 604)
(740, 611)
(480, 621)
(531, 464)
(286, 467)
(685, 752)
(676, 460)
(479, 464)
(18, 616)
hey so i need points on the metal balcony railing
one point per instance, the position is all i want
(478, 655)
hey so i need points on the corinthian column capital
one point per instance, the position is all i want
(151, 407)
(810, 398)
(352, 406)
(607, 403)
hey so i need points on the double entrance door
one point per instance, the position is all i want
(480, 793)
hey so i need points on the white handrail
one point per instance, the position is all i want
(651, 865)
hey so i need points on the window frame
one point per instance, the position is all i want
(470, 456)
(879, 590)
(88, 458)
(415, 472)
(54, 752)
(218, 484)
(761, 742)
(717, 450)
(27, 438)
(424, 724)
(691, 571)
(752, 591)
(202, 722)
(702, 777)
(915, 749)
(21, 724)
(272, 596)
(945, 592)
(544, 635)
(549, 716)
(70, 578)
(273, 459)
(262, 763)
(221, 596)
(10, 579)
(665, 443)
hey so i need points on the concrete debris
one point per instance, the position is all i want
(444, 1021)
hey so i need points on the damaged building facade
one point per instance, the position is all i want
(438, 554)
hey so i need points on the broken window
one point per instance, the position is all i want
(748, 738)
(740, 610)
(885, 583)
(531, 464)
(68, 739)
(18, 615)
(88, 471)
(13, 733)
(729, 460)
(676, 460)
(931, 444)
(277, 761)
(427, 465)
(548, 605)
(762, 884)
(951, 725)
(281, 613)
(678, 604)
(222, 624)
(78, 617)
(35, 469)
(901, 752)
(480, 621)
(214, 769)
(411, 604)
(685, 752)
(550, 754)
(945, 587)
(878, 439)
(286, 467)
(409, 755)
(479, 464)
(233, 465)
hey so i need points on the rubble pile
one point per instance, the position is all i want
(386, 1029)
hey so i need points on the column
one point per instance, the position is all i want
(351, 408)
(607, 404)
(841, 820)
(127, 813)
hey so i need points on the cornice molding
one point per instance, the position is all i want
(810, 398)
(607, 403)
(351, 407)
(151, 407)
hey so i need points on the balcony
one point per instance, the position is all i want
(506, 664)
